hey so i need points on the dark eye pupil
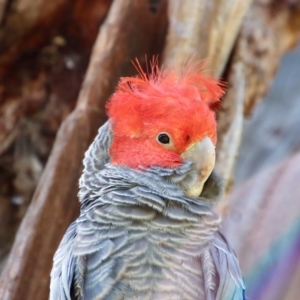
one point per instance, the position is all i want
(164, 138)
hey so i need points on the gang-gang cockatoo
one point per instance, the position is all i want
(147, 227)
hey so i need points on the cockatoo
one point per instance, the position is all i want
(147, 227)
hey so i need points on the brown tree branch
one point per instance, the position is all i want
(42, 67)
(205, 29)
(257, 54)
(230, 123)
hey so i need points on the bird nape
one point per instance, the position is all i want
(147, 227)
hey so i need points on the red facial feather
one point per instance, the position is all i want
(164, 101)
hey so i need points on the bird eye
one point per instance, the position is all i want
(163, 138)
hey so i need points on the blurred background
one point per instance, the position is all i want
(263, 220)
(60, 61)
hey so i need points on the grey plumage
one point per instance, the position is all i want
(139, 236)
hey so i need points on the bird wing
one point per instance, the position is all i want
(63, 267)
(101, 249)
(231, 284)
(65, 264)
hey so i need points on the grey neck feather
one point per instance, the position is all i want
(170, 180)
(161, 186)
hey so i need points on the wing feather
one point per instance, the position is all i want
(231, 283)
(62, 273)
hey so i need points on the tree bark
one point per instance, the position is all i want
(255, 57)
(203, 30)
(42, 62)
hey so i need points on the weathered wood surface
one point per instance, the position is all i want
(264, 212)
(204, 30)
(278, 120)
(230, 123)
(41, 71)
(256, 56)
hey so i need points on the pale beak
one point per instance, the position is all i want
(202, 155)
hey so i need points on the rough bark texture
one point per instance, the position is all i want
(41, 70)
(278, 121)
(256, 57)
(264, 213)
(204, 30)
(45, 52)
(230, 125)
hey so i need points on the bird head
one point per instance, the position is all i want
(164, 119)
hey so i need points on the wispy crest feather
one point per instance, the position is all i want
(155, 81)
(157, 95)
